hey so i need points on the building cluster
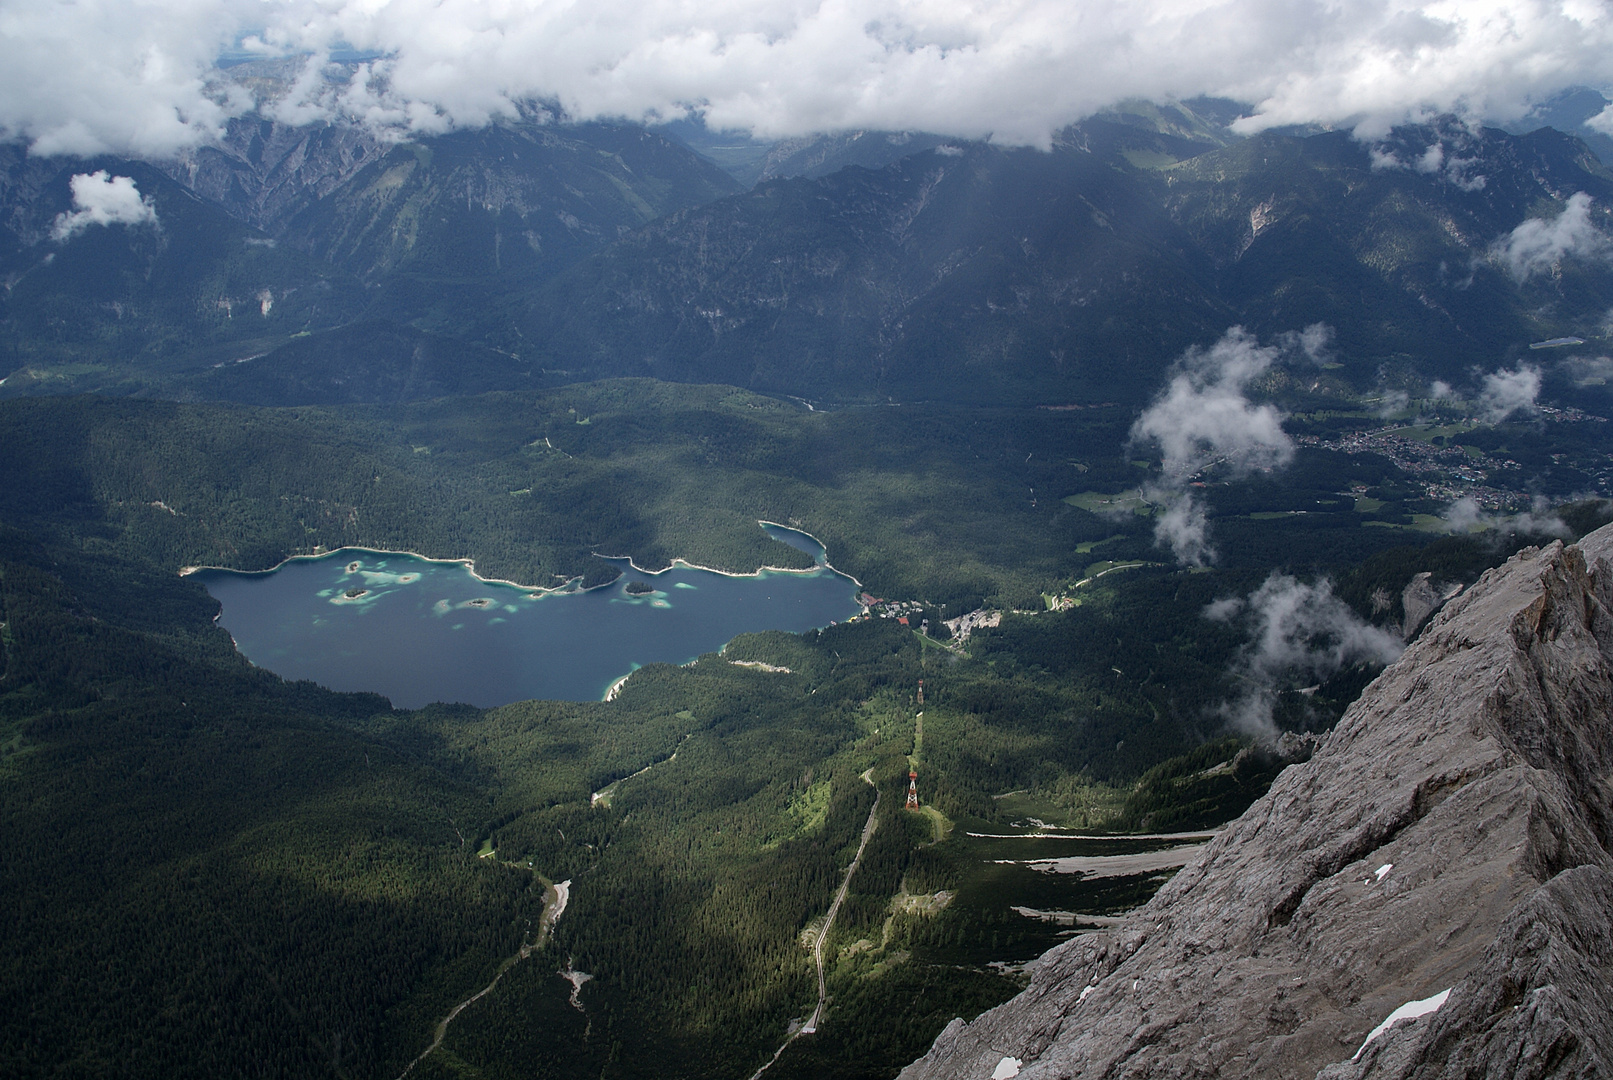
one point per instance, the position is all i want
(1448, 471)
(1411, 455)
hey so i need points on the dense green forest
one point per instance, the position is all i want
(961, 508)
(216, 872)
(309, 338)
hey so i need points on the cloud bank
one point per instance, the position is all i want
(133, 77)
(1204, 418)
(1295, 631)
(101, 199)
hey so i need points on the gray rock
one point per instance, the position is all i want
(1453, 832)
(1419, 600)
(1523, 1013)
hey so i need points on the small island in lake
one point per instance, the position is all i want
(639, 588)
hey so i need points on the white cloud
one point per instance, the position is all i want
(1392, 403)
(1589, 371)
(1203, 418)
(1443, 157)
(1181, 525)
(1602, 121)
(1539, 244)
(131, 76)
(1295, 631)
(1506, 392)
(1466, 516)
(1314, 343)
(101, 199)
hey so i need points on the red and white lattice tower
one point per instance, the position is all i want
(912, 789)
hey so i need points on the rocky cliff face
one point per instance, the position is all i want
(1452, 834)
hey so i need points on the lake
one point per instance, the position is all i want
(422, 630)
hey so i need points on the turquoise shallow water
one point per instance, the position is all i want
(420, 631)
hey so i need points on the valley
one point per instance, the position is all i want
(692, 881)
(1086, 486)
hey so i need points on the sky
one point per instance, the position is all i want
(137, 77)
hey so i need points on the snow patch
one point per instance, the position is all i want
(1383, 871)
(1006, 1069)
(1409, 1011)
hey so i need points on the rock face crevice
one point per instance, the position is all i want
(1476, 773)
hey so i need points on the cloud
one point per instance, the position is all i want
(85, 78)
(101, 199)
(1506, 392)
(1466, 516)
(1296, 631)
(1204, 418)
(1602, 121)
(1392, 403)
(1586, 371)
(1314, 343)
(1442, 157)
(1539, 245)
(1181, 525)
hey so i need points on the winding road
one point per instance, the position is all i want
(811, 1026)
(554, 904)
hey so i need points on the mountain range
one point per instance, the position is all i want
(1148, 451)
(860, 268)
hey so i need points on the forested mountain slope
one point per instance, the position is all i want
(286, 231)
(114, 304)
(962, 272)
(1404, 247)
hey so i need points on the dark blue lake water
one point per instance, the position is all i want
(420, 631)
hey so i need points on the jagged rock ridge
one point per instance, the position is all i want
(1453, 833)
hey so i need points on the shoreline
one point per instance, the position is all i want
(470, 565)
(615, 688)
(680, 561)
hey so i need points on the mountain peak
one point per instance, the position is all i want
(1451, 837)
